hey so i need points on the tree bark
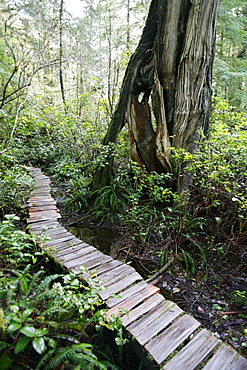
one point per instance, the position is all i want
(166, 92)
(61, 56)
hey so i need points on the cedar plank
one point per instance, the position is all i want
(145, 307)
(67, 244)
(58, 238)
(133, 300)
(43, 213)
(76, 253)
(226, 358)
(127, 293)
(44, 226)
(165, 343)
(82, 260)
(116, 274)
(66, 247)
(91, 263)
(194, 352)
(42, 218)
(120, 285)
(154, 321)
(43, 207)
(107, 266)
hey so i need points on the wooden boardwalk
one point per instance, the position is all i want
(161, 330)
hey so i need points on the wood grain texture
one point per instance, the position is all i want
(134, 300)
(165, 343)
(116, 274)
(142, 309)
(106, 267)
(154, 321)
(226, 358)
(194, 353)
(120, 285)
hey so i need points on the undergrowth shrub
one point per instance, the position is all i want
(46, 320)
(210, 220)
(219, 189)
(15, 185)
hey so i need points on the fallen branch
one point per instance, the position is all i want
(154, 279)
(232, 312)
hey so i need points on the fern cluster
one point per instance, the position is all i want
(45, 320)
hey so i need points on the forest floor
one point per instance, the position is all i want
(215, 295)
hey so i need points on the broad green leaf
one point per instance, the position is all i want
(39, 345)
(22, 343)
(26, 313)
(41, 332)
(52, 343)
(13, 327)
(14, 308)
(29, 331)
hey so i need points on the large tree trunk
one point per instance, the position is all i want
(166, 92)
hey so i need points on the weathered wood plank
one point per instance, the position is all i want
(59, 239)
(142, 309)
(116, 274)
(41, 217)
(73, 248)
(126, 293)
(165, 343)
(194, 353)
(57, 229)
(154, 321)
(84, 259)
(226, 358)
(40, 176)
(76, 253)
(44, 213)
(44, 185)
(134, 300)
(41, 191)
(107, 266)
(43, 226)
(120, 285)
(57, 234)
(39, 198)
(63, 246)
(90, 264)
(66, 248)
(41, 179)
(44, 207)
(41, 202)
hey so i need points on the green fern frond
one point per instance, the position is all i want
(76, 352)
(45, 283)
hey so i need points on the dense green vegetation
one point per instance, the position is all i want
(43, 310)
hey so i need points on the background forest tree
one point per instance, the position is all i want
(172, 68)
(96, 50)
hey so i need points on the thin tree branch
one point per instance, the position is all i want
(5, 100)
(18, 108)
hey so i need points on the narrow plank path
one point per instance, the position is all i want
(161, 330)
